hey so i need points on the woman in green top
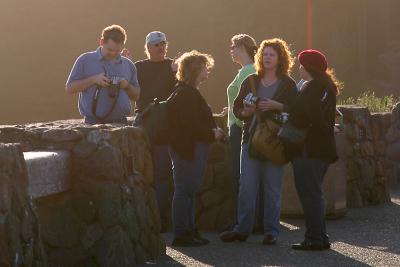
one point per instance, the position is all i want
(243, 49)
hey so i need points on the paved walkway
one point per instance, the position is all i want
(364, 237)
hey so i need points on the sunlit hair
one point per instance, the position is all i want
(327, 78)
(115, 33)
(285, 58)
(247, 42)
(190, 65)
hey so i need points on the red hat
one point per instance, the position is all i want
(313, 60)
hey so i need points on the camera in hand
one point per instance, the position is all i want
(114, 86)
(250, 99)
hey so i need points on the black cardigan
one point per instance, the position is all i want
(285, 94)
(315, 108)
(190, 120)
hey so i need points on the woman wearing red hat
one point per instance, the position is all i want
(314, 110)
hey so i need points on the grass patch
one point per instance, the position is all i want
(371, 101)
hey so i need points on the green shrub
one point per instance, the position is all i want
(372, 102)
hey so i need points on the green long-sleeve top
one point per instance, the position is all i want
(233, 90)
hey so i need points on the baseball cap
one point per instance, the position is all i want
(155, 37)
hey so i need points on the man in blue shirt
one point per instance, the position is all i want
(93, 75)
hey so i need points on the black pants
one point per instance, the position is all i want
(309, 175)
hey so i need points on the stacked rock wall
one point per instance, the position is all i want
(372, 156)
(109, 217)
(20, 240)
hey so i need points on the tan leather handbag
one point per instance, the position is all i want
(264, 140)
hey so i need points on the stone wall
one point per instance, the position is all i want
(109, 217)
(20, 240)
(110, 210)
(372, 156)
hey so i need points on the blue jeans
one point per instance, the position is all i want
(188, 176)
(253, 173)
(308, 176)
(235, 140)
(162, 174)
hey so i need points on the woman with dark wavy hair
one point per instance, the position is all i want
(276, 91)
(314, 110)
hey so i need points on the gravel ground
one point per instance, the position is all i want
(364, 237)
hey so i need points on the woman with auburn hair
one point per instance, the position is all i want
(243, 49)
(192, 130)
(276, 91)
(314, 110)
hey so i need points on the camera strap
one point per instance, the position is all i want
(257, 115)
(96, 95)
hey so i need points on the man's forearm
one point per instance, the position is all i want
(79, 85)
(133, 92)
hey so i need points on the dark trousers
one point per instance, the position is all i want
(309, 175)
(188, 176)
(235, 142)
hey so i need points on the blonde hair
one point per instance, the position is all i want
(115, 33)
(248, 43)
(190, 65)
(285, 58)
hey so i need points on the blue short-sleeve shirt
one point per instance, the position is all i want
(93, 63)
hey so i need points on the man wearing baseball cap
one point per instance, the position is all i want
(156, 76)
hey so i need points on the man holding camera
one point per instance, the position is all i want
(105, 80)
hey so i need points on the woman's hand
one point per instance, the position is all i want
(248, 109)
(225, 111)
(218, 133)
(268, 104)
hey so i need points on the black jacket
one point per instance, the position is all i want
(190, 120)
(315, 109)
(285, 94)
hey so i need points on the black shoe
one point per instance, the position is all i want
(197, 236)
(310, 246)
(327, 245)
(232, 236)
(269, 240)
(187, 240)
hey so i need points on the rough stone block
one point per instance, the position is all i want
(48, 172)
(20, 242)
(61, 135)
